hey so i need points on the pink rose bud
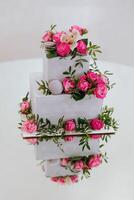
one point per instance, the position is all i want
(74, 179)
(61, 180)
(82, 47)
(92, 76)
(96, 136)
(100, 91)
(96, 124)
(25, 105)
(29, 126)
(94, 161)
(84, 85)
(68, 84)
(64, 162)
(68, 138)
(54, 179)
(70, 125)
(63, 49)
(57, 36)
(78, 165)
(47, 37)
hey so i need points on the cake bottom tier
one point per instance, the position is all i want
(53, 168)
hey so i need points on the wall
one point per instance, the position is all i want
(110, 24)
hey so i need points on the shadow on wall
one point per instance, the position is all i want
(110, 25)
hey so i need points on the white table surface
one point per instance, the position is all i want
(21, 178)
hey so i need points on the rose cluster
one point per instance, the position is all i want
(67, 179)
(79, 165)
(89, 83)
(66, 42)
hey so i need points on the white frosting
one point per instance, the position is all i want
(46, 150)
(53, 68)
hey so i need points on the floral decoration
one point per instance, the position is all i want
(73, 42)
(93, 82)
(32, 123)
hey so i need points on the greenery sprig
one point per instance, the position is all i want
(43, 87)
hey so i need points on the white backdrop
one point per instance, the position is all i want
(110, 22)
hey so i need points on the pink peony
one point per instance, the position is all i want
(78, 165)
(54, 179)
(64, 162)
(57, 36)
(63, 49)
(29, 126)
(81, 47)
(25, 105)
(96, 136)
(96, 124)
(68, 84)
(74, 179)
(78, 28)
(92, 76)
(83, 85)
(70, 125)
(100, 91)
(47, 37)
(94, 161)
(68, 138)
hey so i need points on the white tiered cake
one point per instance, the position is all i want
(64, 116)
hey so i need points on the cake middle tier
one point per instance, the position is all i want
(54, 107)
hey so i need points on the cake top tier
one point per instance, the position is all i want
(73, 42)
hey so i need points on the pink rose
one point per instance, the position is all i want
(83, 85)
(68, 84)
(70, 125)
(78, 165)
(61, 180)
(29, 126)
(32, 140)
(54, 179)
(64, 162)
(78, 28)
(63, 49)
(102, 79)
(83, 77)
(96, 124)
(47, 37)
(94, 161)
(96, 136)
(100, 91)
(56, 36)
(74, 179)
(25, 105)
(92, 76)
(68, 138)
(82, 47)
